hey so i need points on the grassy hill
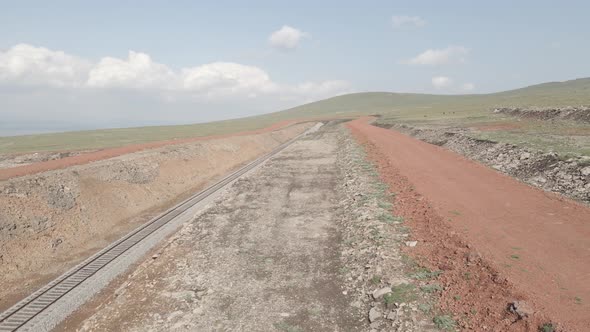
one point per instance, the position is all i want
(407, 107)
(411, 105)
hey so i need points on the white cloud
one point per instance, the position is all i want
(448, 85)
(468, 87)
(310, 91)
(223, 78)
(31, 66)
(136, 72)
(286, 38)
(441, 82)
(408, 21)
(449, 55)
(46, 90)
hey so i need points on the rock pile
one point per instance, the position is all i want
(370, 252)
(581, 113)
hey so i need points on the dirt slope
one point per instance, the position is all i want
(539, 241)
(50, 220)
(85, 158)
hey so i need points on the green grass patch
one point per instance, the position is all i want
(386, 218)
(425, 274)
(445, 322)
(402, 293)
(425, 308)
(431, 288)
(376, 280)
(385, 205)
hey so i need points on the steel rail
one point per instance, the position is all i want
(33, 305)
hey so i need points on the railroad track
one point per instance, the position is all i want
(34, 313)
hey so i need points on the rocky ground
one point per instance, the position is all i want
(306, 243)
(14, 160)
(50, 220)
(506, 256)
(580, 113)
(545, 170)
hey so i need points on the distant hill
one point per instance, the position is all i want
(406, 106)
(573, 92)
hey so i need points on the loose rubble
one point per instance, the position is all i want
(14, 160)
(580, 113)
(371, 246)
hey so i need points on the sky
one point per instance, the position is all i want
(71, 65)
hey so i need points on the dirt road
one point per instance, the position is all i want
(539, 241)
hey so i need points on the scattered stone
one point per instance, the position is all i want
(56, 242)
(61, 196)
(155, 256)
(374, 314)
(411, 243)
(378, 293)
(356, 304)
(175, 315)
(521, 309)
(392, 315)
(579, 114)
(472, 257)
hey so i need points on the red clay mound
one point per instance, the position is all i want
(538, 241)
(85, 158)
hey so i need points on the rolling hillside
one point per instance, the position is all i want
(393, 106)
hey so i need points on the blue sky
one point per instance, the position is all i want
(218, 60)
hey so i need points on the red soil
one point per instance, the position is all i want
(520, 242)
(85, 158)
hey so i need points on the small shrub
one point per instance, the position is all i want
(425, 274)
(376, 279)
(386, 218)
(385, 205)
(424, 307)
(400, 294)
(444, 322)
(431, 288)
(547, 327)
